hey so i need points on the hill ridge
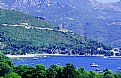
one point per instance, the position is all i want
(22, 38)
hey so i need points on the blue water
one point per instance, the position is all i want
(110, 63)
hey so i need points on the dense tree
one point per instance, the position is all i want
(6, 65)
(81, 73)
(60, 72)
(5, 60)
(12, 75)
(109, 76)
(52, 72)
(118, 75)
(69, 71)
(107, 71)
(26, 71)
(92, 74)
(4, 68)
(40, 71)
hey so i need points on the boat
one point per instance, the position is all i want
(97, 69)
(94, 65)
(115, 57)
(44, 56)
(32, 63)
(100, 71)
(118, 68)
(35, 58)
(18, 59)
(104, 57)
(22, 60)
(58, 64)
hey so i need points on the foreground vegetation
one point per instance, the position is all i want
(7, 70)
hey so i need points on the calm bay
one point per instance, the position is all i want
(79, 61)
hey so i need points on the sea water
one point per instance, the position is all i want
(78, 61)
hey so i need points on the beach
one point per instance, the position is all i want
(33, 55)
(36, 55)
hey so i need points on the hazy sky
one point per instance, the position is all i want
(106, 1)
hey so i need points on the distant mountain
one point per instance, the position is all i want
(21, 33)
(117, 4)
(98, 21)
(90, 18)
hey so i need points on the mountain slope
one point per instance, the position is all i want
(86, 17)
(20, 36)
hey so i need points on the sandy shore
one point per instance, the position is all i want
(44, 55)
(33, 55)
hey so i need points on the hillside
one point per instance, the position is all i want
(90, 18)
(20, 36)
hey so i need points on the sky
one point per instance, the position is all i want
(106, 1)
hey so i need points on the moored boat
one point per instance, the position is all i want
(32, 63)
(104, 57)
(115, 56)
(97, 69)
(44, 56)
(94, 65)
(35, 58)
(118, 68)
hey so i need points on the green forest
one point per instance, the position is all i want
(7, 70)
(21, 33)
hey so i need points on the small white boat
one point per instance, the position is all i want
(118, 68)
(97, 69)
(32, 63)
(100, 71)
(22, 60)
(35, 58)
(94, 65)
(58, 64)
(44, 56)
(104, 57)
(115, 57)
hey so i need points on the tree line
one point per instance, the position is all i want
(8, 70)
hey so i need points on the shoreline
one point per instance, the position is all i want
(44, 55)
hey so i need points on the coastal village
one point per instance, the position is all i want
(116, 53)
